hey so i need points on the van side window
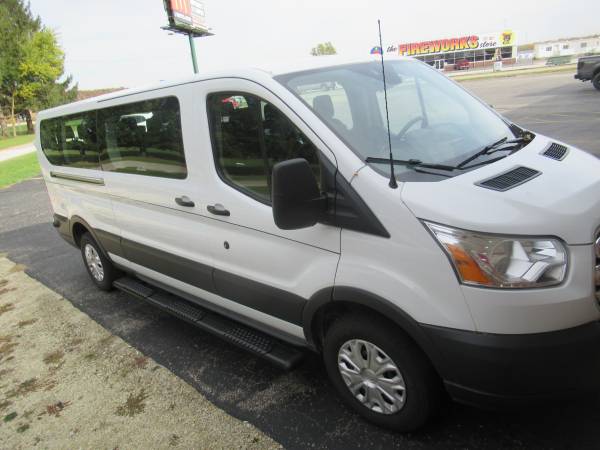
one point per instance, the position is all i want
(51, 140)
(71, 141)
(143, 138)
(249, 137)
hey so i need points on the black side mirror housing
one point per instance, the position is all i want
(297, 201)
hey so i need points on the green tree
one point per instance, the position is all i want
(17, 26)
(31, 64)
(57, 93)
(325, 48)
(41, 67)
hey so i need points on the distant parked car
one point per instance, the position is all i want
(588, 68)
(462, 64)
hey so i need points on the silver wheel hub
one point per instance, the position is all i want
(92, 259)
(371, 376)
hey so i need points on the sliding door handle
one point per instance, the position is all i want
(184, 201)
(218, 210)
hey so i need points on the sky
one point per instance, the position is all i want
(120, 43)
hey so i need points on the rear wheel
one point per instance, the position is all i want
(101, 270)
(596, 81)
(380, 373)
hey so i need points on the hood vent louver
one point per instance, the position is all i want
(508, 180)
(555, 151)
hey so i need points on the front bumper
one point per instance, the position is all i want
(495, 370)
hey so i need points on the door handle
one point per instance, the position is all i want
(184, 200)
(218, 210)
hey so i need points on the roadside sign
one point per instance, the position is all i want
(187, 15)
(455, 44)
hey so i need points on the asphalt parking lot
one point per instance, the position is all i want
(299, 409)
(554, 104)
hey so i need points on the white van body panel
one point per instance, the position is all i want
(408, 269)
(71, 198)
(552, 204)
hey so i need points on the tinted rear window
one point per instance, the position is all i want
(71, 141)
(143, 138)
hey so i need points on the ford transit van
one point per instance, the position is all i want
(264, 206)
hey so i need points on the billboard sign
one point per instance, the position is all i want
(187, 15)
(455, 44)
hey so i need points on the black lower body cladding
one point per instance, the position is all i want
(494, 370)
(269, 300)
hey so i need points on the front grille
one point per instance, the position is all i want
(510, 179)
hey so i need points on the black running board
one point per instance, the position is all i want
(274, 350)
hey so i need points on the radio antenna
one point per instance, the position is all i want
(393, 184)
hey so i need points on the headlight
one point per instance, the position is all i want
(502, 261)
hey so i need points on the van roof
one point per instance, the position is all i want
(270, 70)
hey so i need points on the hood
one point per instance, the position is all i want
(563, 200)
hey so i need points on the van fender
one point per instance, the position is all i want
(108, 242)
(368, 300)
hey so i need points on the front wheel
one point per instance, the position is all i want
(100, 269)
(380, 373)
(596, 81)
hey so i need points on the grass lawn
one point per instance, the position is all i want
(13, 142)
(18, 169)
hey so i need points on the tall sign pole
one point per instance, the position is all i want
(193, 50)
(187, 17)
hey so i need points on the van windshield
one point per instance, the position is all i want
(431, 118)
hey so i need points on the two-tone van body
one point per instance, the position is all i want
(257, 205)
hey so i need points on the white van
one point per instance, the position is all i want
(260, 207)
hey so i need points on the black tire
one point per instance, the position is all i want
(423, 394)
(596, 81)
(109, 272)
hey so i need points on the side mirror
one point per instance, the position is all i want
(297, 201)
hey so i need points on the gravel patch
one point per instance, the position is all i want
(66, 382)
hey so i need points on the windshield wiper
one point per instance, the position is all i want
(492, 148)
(410, 163)
(487, 150)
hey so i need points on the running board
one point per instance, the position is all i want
(274, 350)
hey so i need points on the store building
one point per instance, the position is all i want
(567, 47)
(467, 51)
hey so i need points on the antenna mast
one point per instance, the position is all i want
(393, 184)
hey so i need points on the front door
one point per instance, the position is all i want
(268, 271)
